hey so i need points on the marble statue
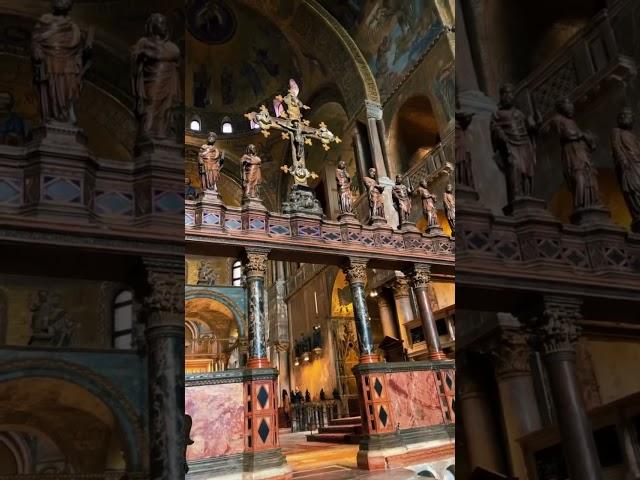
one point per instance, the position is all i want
(343, 181)
(251, 172)
(576, 147)
(60, 55)
(156, 78)
(464, 172)
(402, 199)
(376, 199)
(449, 201)
(428, 204)
(512, 137)
(210, 162)
(206, 275)
(626, 155)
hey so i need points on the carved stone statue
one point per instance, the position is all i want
(251, 172)
(512, 136)
(449, 201)
(464, 173)
(156, 78)
(576, 147)
(60, 56)
(206, 275)
(210, 161)
(376, 199)
(428, 205)
(402, 200)
(343, 181)
(626, 155)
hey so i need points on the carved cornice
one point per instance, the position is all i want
(256, 262)
(355, 271)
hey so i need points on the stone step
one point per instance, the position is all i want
(341, 429)
(346, 438)
(346, 421)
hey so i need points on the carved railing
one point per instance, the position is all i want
(590, 58)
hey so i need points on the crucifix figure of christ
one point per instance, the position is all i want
(288, 119)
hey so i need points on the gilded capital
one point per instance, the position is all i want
(256, 262)
(356, 272)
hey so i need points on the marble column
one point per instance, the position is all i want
(558, 334)
(356, 272)
(255, 265)
(420, 276)
(478, 423)
(520, 414)
(386, 317)
(404, 311)
(361, 163)
(164, 308)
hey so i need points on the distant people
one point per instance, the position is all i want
(323, 397)
(336, 394)
(307, 396)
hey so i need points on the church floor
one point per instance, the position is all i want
(326, 461)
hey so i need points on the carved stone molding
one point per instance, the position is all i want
(256, 262)
(167, 291)
(558, 331)
(401, 287)
(512, 354)
(355, 271)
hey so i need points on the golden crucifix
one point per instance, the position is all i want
(288, 119)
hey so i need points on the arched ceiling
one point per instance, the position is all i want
(216, 316)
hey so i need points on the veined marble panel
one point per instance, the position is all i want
(415, 399)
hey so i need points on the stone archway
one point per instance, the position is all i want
(79, 414)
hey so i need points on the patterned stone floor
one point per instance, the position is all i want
(326, 461)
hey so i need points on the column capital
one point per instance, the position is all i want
(166, 282)
(420, 275)
(401, 287)
(355, 269)
(558, 331)
(512, 355)
(256, 262)
(373, 109)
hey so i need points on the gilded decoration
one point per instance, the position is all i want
(356, 272)
(256, 263)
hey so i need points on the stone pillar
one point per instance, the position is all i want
(558, 334)
(165, 346)
(420, 277)
(478, 423)
(361, 163)
(386, 317)
(356, 272)
(255, 265)
(401, 292)
(517, 394)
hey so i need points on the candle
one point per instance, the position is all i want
(315, 299)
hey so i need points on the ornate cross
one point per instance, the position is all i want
(288, 119)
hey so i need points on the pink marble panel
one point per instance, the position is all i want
(218, 420)
(415, 399)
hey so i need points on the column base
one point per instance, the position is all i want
(595, 214)
(211, 197)
(373, 221)
(372, 358)
(258, 363)
(349, 218)
(436, 230)
(436, 356)
(523, 206)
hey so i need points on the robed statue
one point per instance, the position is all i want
(206, 275)
(402, 199)
(512, 137)
(156, 78)
(576, 147)
(60, 55)
(464, 173)
(210, 161)
(376, 199)
(343, 181)
(251, 172)
(428, 205)
(449, 201)
(626, 155)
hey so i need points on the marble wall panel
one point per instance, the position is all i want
(414, 399)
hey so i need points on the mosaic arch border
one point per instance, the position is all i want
(191, 293)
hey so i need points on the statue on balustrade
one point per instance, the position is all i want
(210, 162)
(60, 55)
(428, 205)
(449, 201)
(576, 147)
(513, 138)
(402, 200)
(156, 79)
(251, 172)
(626, 155)
(464, 172)
(376, 199)
(343, 181)
(206, 275)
